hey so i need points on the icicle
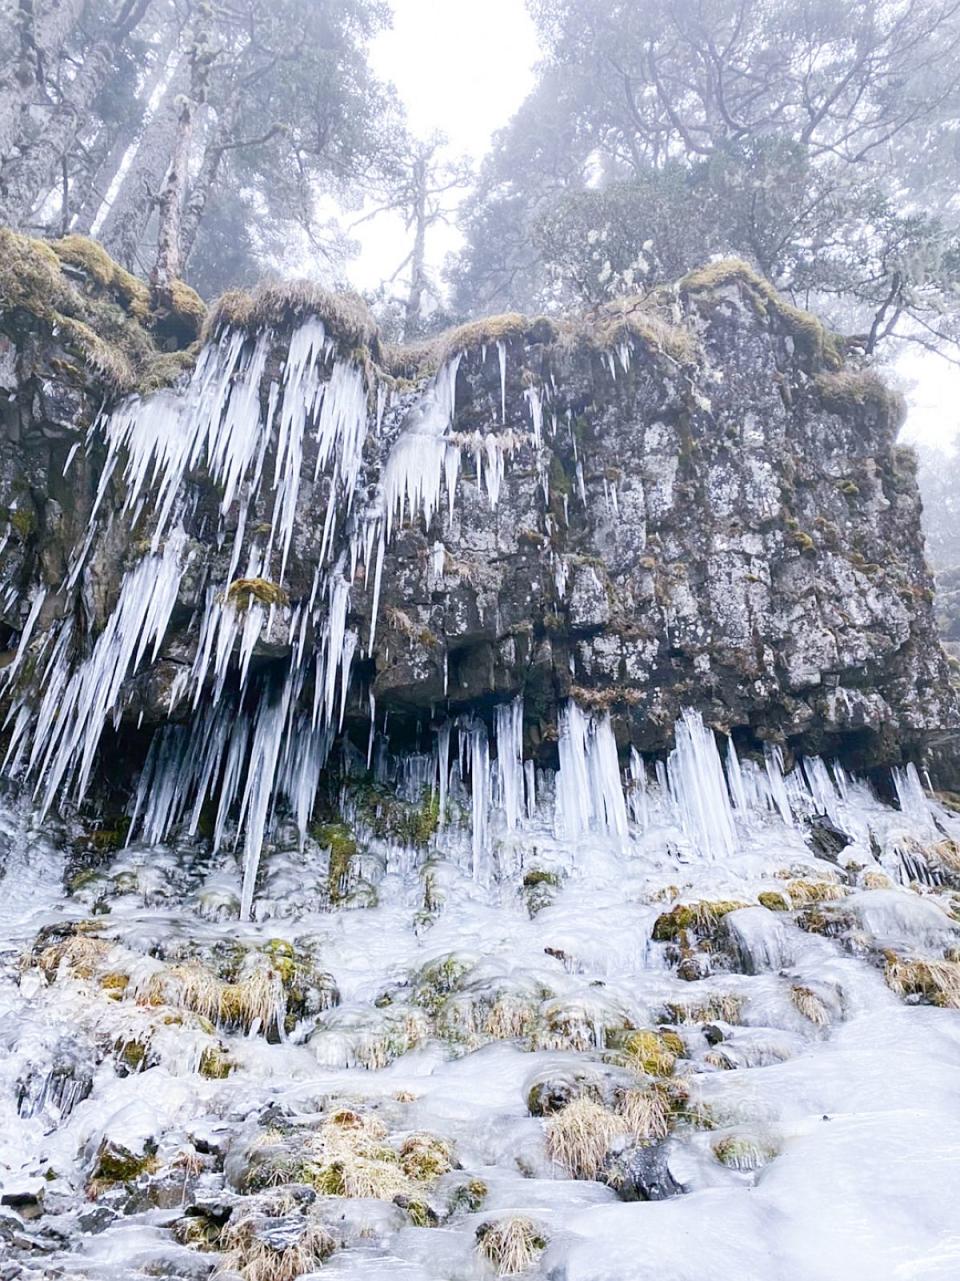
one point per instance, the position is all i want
(508, 726)
(911, 798)
(639, 811)
(773, 761)
(589, 789)
(502, 355)
(443, 769)
(419, 459)
(698, 788)
(373, 727)
(473, 736)
(530, 779)
(535, 405)
(74, 712)
(38, 596)
(735, 780)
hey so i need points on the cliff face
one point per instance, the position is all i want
(693, 505)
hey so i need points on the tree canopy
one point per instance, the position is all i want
(817, 140)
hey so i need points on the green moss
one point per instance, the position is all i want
(30, 278)
(803, 540)
(773, 901)
(649, 1052)
(390, 818)
(342, 844)
(92, 258)
(818, 342)
(469, 1196)
(24, 521)
(215, 1063)
(742, 1153)
(631, 318)
(115, 985)
(118, 1166)
(242, 592)
(537, 876)
(420, 1214)
(132, 1054)
(700, 917)
(483, 333)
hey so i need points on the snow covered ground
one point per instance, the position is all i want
(698, 1004)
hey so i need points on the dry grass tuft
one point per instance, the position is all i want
(646, 1114)
(512, 1244)
(80, 955)
(579, 1136)
(810, 1005)
(256, 1000)
(246, 1252)
(716, 1007)
(935, 982)
(278, 304)
(803, 893)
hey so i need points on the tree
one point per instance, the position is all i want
(812, 139)
(82, 43)
(421, 186)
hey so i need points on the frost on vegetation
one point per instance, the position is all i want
(512, 1244)
(580, 1136)
(350, 1155)
(262, 1248)
(744, 1152)
(935, 982)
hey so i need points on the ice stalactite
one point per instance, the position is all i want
(443, 769)
(508, 727)
(912, 799)
(422, 459)
(699, 789)
(589, 790)
(502, 357)
(475, 744)
(76, 705)
(226, 422)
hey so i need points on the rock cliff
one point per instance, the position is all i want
(686, 501)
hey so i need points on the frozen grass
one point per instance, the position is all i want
(810, 1005)
(936, 982)
(255, 1260)
(579, 1136)
(511, 1244)
(255, 1000)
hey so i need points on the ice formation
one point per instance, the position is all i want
(763, 1035)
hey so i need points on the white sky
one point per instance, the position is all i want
(461, 67)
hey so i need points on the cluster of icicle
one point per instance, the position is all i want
(258, 748)
(254, 748)
(712, 797)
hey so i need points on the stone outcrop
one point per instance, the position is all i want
(700, 506)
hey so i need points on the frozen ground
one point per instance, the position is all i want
(435, 1069)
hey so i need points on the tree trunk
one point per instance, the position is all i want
(168, 266)
(201, 188)
(37, 30)
(418, 277)
(106, 164)
(124, 227)
(25, 178)
(170, 252)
